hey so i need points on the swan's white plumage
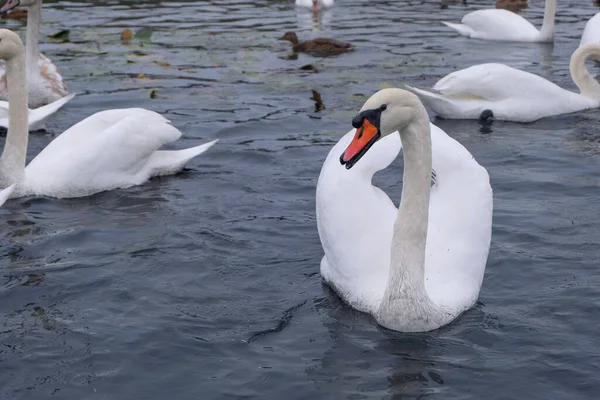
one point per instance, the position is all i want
(504, 25)
(511, 94)
(591, 32)
(355, 221)
(37, 116)
(111, 149)
(309, 3)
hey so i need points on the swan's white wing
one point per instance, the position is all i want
(460, 224)
(38, 116)
(111, 149)
(5, 193)
(496, 24)
(355, 221)
(510, 93)
(591, 32)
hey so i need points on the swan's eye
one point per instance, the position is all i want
(383, 107)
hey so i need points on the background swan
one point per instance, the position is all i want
(591, 32)
(111, 149)
(36, 117)
(512, 94)
(314, 4)
(498, 24)
(44, 82)
(438, 240)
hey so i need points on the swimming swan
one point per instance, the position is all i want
(418, 267)
(512, 94)
(498, 24)
(111, 149)
(44, 82)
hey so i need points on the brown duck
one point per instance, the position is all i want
(319, 46)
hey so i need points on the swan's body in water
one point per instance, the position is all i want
(316, 5)
(498, 24)
(111, 149)
(591, 32)
(418, 267)
(44, 82)
(512, 94)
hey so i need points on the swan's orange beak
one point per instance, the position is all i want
(366, 135)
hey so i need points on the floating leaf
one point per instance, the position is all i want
(126, 35)
(142, 75)
(144, 34)
(309, 67)
(385, 85)
(62, 35)
(162, 63)
(316, 97)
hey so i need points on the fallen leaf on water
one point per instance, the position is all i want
(142, 75)
(316, 97)
(62, 35)
(385, 85)
(309, 67)
(162, 63)
(126, 34)
(144, 34)
(18, 14)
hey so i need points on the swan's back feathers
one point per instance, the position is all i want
(591, 32)
(108, 150)
(497, 24)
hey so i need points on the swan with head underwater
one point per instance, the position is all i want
(108, 150)
(44, 81)
(511, 94)
(418, 267)
(504, 25)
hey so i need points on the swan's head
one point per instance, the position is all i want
(386, 112)
(10, 44)
(10, 4)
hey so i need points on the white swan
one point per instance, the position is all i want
(498, 24)
(314, 4)
(44, 82)
(36, 117)
(111, 149)
(591, 32)
(512, 94)
(418, 267)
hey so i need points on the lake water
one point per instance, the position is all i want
(206, 285)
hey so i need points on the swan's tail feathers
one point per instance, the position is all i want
(168, 162)
(460, 28)
(437, 102)
(5, 193)
(39, 115)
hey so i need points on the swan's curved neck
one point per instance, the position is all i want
(406, 306)
(547, 31)
(586, 83)
(12, 161)
(34, 19)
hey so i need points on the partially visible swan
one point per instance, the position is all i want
(36, 117)
(418, 267)
(498, 24)
(111, 149)
(314, 4)
(591, 32)
(44, 82)
(512, 94)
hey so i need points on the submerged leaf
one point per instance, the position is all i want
(62, 35)
(316, 97)
(144, 34)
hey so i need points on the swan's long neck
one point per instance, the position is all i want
(547, 31)
(406, 306)
(12, 161)
(34, 19)
(586, 83)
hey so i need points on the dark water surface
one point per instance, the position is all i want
(206, 285)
